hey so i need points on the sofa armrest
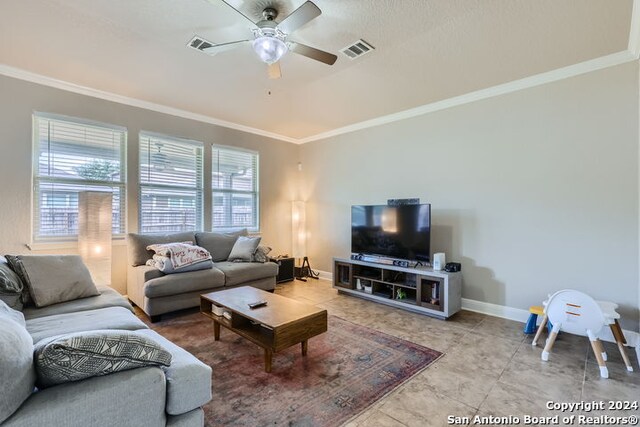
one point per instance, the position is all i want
(188, 379)
(128, 398)
(136, 279)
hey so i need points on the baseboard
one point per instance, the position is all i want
(519, 315)
(324, 275)
(511, 313)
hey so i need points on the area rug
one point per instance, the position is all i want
(346, 370)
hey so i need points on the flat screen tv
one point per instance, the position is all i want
(402, 232)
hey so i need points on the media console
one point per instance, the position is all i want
(419, 289)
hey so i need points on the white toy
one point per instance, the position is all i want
(577, 313)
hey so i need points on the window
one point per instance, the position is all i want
(235, 188)
(170, 196)
(72, 155)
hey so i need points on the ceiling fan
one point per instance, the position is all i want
(271, 41)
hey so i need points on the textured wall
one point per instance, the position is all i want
(18, 101)
(532, 191)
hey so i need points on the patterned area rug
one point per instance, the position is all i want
(346, 369)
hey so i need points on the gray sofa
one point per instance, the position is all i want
(157, 293)
(150, 396)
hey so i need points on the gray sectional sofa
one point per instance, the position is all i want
(150, 396)
(157, 293)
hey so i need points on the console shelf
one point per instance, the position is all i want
(420, 289)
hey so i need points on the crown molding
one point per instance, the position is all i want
(502, 89)
(21, 74)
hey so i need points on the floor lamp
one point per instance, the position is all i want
(299, 246)
(94, 233)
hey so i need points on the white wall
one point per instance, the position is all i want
(532, 191)
(18, 101)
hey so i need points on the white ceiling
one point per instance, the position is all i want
(426, 51)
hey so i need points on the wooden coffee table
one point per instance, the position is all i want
(283, 322)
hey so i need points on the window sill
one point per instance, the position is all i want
(48, 246)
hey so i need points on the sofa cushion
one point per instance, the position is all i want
(244, 248)
(17, 375)
(90, 320)
(241, 272)
(108, 298)
(188, 379)
(148, 272)
(219, 245)
(137, 244)
(128, 398)
(82, 355)
(172, 284)
(53, 279)
(11, 286)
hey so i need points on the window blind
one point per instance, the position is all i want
(170, 196)
(70, 156)
(235, 188)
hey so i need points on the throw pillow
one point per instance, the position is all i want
(11, 286)
(261, 253)
(82, 355)
(244, 248)
(219, 245)
(52, 279)
(16, 267)
(17, 374)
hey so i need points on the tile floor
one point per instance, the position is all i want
(489, 366)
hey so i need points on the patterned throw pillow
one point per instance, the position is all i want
(16, 266)
(84, 355)
(11, 286)
(260, 255)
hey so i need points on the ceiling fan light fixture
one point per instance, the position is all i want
(270, 49)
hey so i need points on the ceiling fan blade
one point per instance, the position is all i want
(273, 71)
(245, 16)
(223, 47)
(313, 53)
(299, 17)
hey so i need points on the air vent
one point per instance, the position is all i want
(199, 43)
(357, 49)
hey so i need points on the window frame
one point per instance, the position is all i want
(199, 188)
(38, 240)
(256, 192)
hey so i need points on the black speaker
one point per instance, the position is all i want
(452, 267)
(285, 269)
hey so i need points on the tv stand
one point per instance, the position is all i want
(418, 289)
